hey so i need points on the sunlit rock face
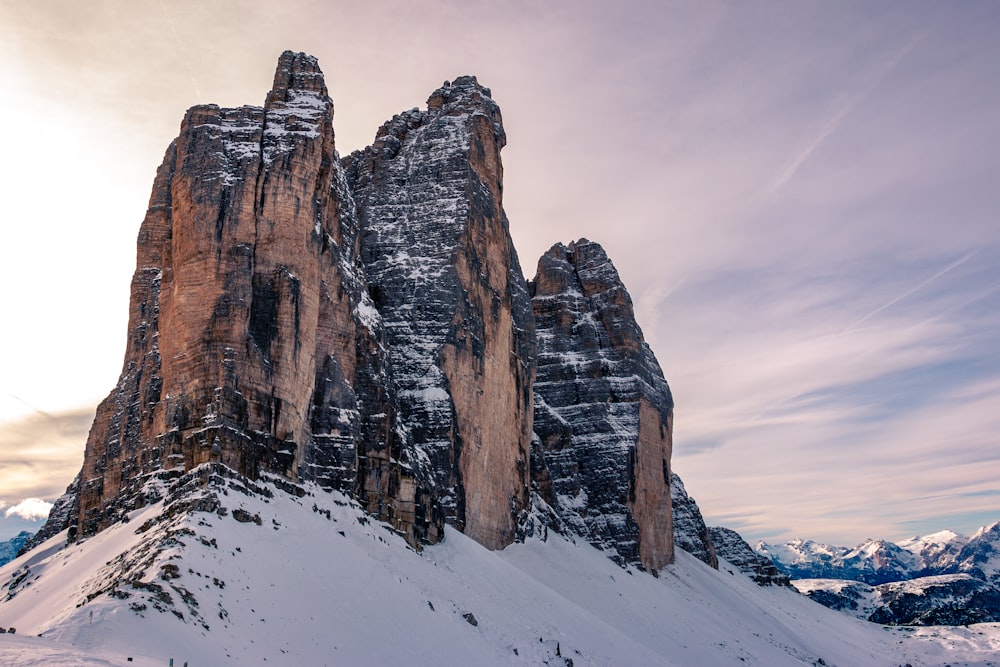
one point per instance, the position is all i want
(252, 340)
(364, 324)
(603, 411)
(443, 273)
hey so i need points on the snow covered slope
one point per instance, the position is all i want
(220, 570)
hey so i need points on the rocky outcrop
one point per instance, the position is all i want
(364, 324)
(732, 548)
(443, 273)
(690, 532)
(603, 411)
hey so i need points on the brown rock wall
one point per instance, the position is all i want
(492, 409)
(649, 500)
(245, 343)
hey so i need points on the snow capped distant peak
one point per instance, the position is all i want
(941, 538)
(992, 530)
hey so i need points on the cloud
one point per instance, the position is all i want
(31, 509)
(838, 433)
(924, 283)
(40, 454)
(842, 110)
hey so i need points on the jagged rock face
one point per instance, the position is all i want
(443, 273)
(365, 324)
(690, 532)
(603, 412)
(731, 547)
(252, 341)
(980, 556)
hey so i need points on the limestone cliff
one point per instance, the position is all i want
(364, 324)
(444, 275)
(603, 411)
(250, 330)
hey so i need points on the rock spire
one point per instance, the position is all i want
(445, 277)
(364, 324)
(603, 411)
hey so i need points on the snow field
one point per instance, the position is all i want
(317, 582)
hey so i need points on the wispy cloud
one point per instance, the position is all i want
(843, 108)
(913, 290)
(835, 433)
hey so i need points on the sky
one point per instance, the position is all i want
(801, 197)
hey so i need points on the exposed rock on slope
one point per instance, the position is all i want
(603, 412)
(690, 531)
(364, 324)
(731, 547)
(444, 275)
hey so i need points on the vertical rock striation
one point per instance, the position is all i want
(443, 273)
(603, 411)
(365, 325)
(252, 340)
(690, 532)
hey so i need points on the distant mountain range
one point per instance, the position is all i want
(9, 548)
(942, 578)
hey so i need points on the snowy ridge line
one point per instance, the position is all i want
(236, 572)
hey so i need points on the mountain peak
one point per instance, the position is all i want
(461, 89)
(297, 73)
(465, 95)
(607, 474)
